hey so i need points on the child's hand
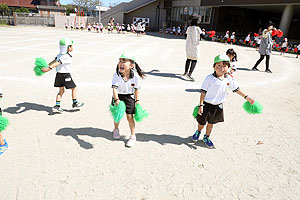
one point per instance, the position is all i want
(250, 100)
(117, 102)
(200, 111)
(45, 69)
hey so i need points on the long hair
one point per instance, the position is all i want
(232, 52)
(140, 72)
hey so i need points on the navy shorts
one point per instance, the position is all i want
(129, 102)
(64, 80)
(211, 114)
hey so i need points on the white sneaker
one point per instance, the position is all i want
(131, 142)
(116, 134)
(57, 109)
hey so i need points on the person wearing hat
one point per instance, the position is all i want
(125, 85)
(284, 46)
(192, 48)
(63, 64)
(213, 95)
(265, 47)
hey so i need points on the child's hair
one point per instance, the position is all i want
(232, 52)
(140, 72)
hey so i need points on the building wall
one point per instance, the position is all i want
(245, 2)
(151, 11)
(119, 18)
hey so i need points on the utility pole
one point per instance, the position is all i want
(99, 12)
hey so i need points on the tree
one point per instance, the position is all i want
(70, 8)
(4, 10)
(86, 4)
(22, 10)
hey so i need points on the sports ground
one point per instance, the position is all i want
(73, 156)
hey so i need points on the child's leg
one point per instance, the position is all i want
(1, 139)
(200, 127)
(131, 123)
(209, 129)
(116, 125)
(74, 93)
(60, 93)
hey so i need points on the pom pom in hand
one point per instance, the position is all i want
(140, 114)
(279, 33)
(3, 123)
(39, 64)
(256, 108)
(118, 111)
(195, 112)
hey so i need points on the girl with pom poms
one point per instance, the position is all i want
(3, 124)
(63, 63)
(125, 85)
(213, 95)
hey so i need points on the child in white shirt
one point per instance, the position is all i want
(213, 95)
(126, 87)
(63, 79)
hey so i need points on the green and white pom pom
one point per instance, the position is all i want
(39, 64)
(118, 111)
(3, 123)
(195, 112)
(256, 108)
(140, 114)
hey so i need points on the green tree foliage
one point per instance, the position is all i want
(22, 10)
(4, 10)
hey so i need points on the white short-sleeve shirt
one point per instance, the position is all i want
(216, 89)
(65, 63)
(298, 47)
(125, 87)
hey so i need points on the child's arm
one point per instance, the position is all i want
(239, 92)
(202, 96)
(51, 65)
(116, 96)
(137, 95)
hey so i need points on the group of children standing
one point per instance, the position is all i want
(126, 86)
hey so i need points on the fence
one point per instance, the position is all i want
(7, 20)
(32, 19)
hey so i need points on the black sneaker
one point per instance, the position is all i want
(184, 74)
(77, 104)
(189, 76)
(254, 69)
(268, 71)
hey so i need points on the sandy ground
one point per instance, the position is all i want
(73, 156)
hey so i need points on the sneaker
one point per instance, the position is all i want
(3, 148)
(196, 136)
(268, 71)
(254, 69)
(57, 109)
(131, 142)
(184, 74)
(208, 142)
(116, 134)
(189, 76)
(77, 104)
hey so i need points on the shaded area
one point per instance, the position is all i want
(156, 72)
(243, 69)
(193, 90)
(165, 36)
(26, 106)
(141, 137)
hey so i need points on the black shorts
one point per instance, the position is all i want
(283, 49)
(211, 114)
(64, 80)
(129, 102)
(298, 52)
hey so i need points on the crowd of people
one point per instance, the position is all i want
(139, 27)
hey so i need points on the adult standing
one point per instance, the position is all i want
(192, 48)
(265, 47)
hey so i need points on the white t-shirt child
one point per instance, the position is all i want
(216, 89)
(125, 87)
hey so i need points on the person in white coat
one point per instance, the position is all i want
(192, 48)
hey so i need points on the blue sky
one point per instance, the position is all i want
(105, 2)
